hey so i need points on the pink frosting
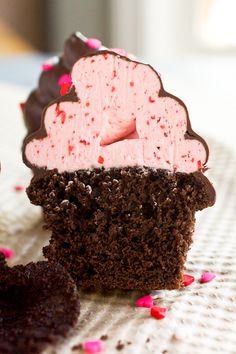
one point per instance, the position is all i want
(123, 118)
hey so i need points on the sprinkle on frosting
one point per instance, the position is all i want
(93, 43)
(7, 252)
(47, 67)
(133, 123)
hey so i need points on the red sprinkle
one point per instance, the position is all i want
(207, 277)
(113, 89)
(87, 104)
(151, 100)
(100, 160)
(159, 312)
(19, 188)
(84, 142)
(187, 279)
(131, 83)
(114, 74)
(65, 88)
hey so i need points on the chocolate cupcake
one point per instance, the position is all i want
(120, 175)
(51, 79)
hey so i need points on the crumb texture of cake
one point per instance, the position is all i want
(125, 228)
(39, 304)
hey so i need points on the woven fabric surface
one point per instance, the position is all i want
(16, 212)
(201, 317)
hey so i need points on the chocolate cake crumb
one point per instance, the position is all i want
(39, 304)
(104, 337)
(147, 340)
(120, 345)
(131, 229)
(77, 347)
(2, 260)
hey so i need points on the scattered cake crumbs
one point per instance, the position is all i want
(77, 347)
(120, 345)
(148, 340)
(104, 337)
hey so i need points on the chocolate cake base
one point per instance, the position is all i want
(127, 228)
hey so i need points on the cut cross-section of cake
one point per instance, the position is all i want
(120, 175)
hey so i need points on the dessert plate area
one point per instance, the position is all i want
(201, 317)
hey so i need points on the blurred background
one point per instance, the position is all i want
(191, 43)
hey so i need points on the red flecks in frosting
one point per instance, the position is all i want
(60, 113)
(100, 160)
(70, 148)
(199, 165)
(131, 83)
(113, 89)
(151, 100)
(119, 127)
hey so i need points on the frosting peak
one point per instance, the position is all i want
(122, 117)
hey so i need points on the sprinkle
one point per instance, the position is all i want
(131, 83)
(19, 188)
(199, 165)
(70, 149)
(47, 67)
(100, 160)
(64, 79)
(159, 312)
(22, 106)
(113, 89)
(207, 277)
(7, 252)
(93, 43)
(65, 88)
(145, 301)
(94, 346)
(187, 280)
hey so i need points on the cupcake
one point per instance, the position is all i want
(119, 175)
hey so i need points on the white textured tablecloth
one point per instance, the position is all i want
(201, 318)
(16, 212)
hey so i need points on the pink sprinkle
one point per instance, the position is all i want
(47, 67)
(119, 51)
(8, 253)
(64, 79)
(145, 301)
(95, 346)
(19, 188)
(207, 276)
(187, 279)
(93, 43)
